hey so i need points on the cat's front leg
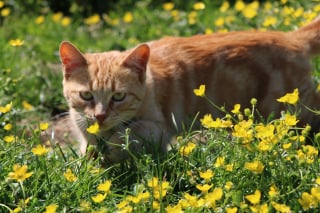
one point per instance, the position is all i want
(135, 138)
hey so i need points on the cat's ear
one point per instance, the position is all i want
(71, 58)
(138, 59)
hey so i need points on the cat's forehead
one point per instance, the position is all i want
(103, 58)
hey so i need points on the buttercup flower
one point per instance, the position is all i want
(6, 108)
(26, 105)
(70, 176)
(39, 20)
(254, 198)
(128, 17)
(5, 12)
(99, 198)
(19, 173)
(255, 166)
(105, 187)
(43, 126)
(39, 150)
(207, 175)
(187, 149)
(52, 208)
(92, 20)
(7, 127)
(16, 42)
(93, 129)
(199, 6)
(168, 6)
(200, 91)
(290, 98)
(66, 21)
(9, 138)
(204, 188)
(281, 207)
(236, 109)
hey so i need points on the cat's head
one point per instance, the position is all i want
(105, 87)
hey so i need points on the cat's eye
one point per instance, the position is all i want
(87, 96)
(119, 96)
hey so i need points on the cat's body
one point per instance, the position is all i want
(153, 83)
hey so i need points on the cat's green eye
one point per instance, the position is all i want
(119, 96)
(87, 96)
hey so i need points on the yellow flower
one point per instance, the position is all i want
(16, 42)
(199, 6)
(43, 126)
(269, 21)
(231, 210)
(70, 176)
(239, 5)
(207, 175)
(201, 91)
(19, 173)
(187, 149)
(204, 188)
(307, 201)
(243, 130)
(6, 108)
(155, 205)
(66, 21)
(318, 180)
(1, 4)
(207, 121)
(250, 10)
(224, 7)
(254, 198)
(236, 109)
(168, 6)
(84, 206)
(27, 106)
(273, 192)
(219, 22)
(7, 127)
(281, 207)
(219, 162)
(290, 98)
(40, 150)
(215, 195)
(99, 198)
(263, 131)
(160, 191)
(159, 188)
(105, 187)
(9, 138)
(263, 208)
(93, 129)
(5, 12)
(255, 166)
(290, 120)
(57, 16)
(315, 192)
(39, 19)
(92, 20)
(228, 185)
(128, 17)
(52, 208)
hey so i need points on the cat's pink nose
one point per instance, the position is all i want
(100, 117)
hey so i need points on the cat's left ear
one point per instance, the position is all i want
(138, 59)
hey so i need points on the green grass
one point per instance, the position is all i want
(285, 171)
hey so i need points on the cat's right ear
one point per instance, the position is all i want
(71, 58)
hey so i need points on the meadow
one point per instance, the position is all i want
(247, 164)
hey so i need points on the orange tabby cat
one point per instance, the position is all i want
(145, 87)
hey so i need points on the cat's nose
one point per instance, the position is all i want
(100, 117)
